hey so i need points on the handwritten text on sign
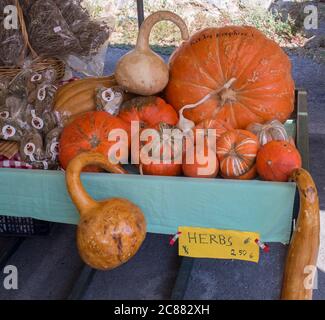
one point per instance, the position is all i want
(217, 243)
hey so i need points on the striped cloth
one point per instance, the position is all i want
(14, 163)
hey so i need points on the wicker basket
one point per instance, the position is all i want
(38, 64)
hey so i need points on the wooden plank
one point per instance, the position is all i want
(80, 286)
(8, 148)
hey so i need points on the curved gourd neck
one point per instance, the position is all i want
(83, 201)
(147, 25)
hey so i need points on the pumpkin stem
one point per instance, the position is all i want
(83, 201)
(149, 22)
(185, 124)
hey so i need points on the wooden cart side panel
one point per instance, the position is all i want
(302, 138)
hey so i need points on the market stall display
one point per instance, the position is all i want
(221, 80)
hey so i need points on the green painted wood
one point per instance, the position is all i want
(302, 127)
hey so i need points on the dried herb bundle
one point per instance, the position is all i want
(72, 11)
(49, 33)
(91, 34)
(11, 40)
(26, 6)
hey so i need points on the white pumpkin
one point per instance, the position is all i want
(271, 130)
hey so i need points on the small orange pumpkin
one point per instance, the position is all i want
(89, 132)
(195, 169)
(237, 150)
(165, 164)
(276, 160)
(149, 111)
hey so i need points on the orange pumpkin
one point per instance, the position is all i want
(194, 167)
(276, 160)
(236, 152)
(164, 164)
(218, 126)
(149, 111)
(237, 73)
(89, 132)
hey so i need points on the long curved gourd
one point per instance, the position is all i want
(303, 249)
(142, 71)
(110, 231)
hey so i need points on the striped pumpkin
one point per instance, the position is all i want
(236, 151)
(269, 131)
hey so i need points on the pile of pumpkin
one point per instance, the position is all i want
(231, 79)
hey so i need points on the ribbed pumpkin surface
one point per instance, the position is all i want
(236, 151)
(88, 132)
(262, 87)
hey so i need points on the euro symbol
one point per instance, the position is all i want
(246, 241)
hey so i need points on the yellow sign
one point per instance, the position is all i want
(217, 243)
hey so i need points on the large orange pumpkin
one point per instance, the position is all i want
(237, 150)
(89, 132)
(246, 75)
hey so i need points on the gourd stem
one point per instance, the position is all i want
(149, 22)
(186, 124)
(79, 195)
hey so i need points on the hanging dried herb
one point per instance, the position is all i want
(72, 11)
(49, 33)
(12, 48)
(90, 33)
